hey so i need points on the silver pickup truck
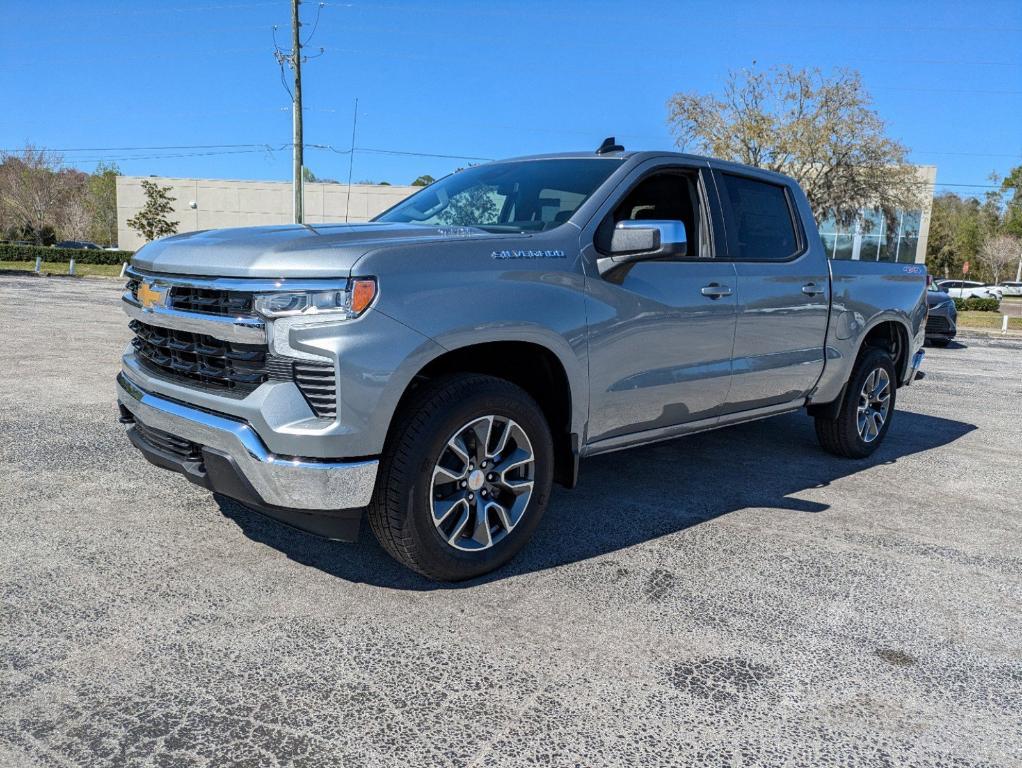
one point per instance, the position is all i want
(440, 367)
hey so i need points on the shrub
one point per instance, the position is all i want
(976, 304)
(11, 252)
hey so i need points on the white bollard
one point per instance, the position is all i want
(71, 267)
(1004, 324)
(38, 264)
(124, 266)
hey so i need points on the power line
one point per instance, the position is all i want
(127, 158)
(401, 152)
(977, 186)
(132, 149)
(420, 154)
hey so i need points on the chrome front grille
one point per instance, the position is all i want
(207, 301)
(211, 301)
(208, 336)
(204, 359)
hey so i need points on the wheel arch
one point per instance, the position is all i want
(888, 331)
(892, 334)
(534, 367)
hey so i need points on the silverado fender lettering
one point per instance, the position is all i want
(528, 255)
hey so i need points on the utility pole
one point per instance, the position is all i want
(351, 161)
(296, 111)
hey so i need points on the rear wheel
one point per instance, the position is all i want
(465, 477)
(866, 411)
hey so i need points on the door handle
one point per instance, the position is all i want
(715, 290)
(812, 289)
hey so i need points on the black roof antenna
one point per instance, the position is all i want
(609, 145)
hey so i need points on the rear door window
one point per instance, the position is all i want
(761, 219)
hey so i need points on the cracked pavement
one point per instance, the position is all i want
(735, 598)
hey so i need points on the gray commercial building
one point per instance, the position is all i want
(870, 238)
(218, 203)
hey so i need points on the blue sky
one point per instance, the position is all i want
(480, 79)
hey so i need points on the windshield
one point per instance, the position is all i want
(524, 196)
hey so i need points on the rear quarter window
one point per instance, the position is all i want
(762, 219)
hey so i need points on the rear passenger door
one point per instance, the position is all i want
(783, 285)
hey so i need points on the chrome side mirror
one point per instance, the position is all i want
(644, 240)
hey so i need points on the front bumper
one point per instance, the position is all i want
(320, 496)
(941, 325)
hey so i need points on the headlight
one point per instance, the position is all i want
(341, 305)
(944, 304)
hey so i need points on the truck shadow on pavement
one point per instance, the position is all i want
(633, 496)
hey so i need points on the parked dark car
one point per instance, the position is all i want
(942, 317)
(82, 244)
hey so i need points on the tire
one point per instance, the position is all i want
(940, 342)
(842, 436)
(417, 463)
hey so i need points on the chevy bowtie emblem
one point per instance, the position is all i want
(150, 297)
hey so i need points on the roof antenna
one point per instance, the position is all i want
(609, 145)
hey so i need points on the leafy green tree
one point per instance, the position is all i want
(101, 202)
(151, 221)
(423, 181)
(1012, 220)
(821, 130)
(956, 234)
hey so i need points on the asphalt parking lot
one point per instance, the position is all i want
(735, 598)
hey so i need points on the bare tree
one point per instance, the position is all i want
(999, 254)
(71, 214)
(75, 219)
(33, 190)
(822, 131)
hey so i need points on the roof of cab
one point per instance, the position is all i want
(638, 156)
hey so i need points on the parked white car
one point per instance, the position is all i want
(1010, 288)
(967, 289)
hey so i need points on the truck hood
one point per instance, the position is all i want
(293, 250)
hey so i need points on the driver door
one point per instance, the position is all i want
(660, 332)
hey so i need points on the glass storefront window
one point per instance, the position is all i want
(843, 247)
(828, 226)
(872, 223)
(910, 224)
(869, 248)
(888, 249)
(907, 251)
(872, 238)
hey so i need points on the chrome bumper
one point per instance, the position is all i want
(291, 483)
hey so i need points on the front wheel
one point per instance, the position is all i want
(465, 477)
(866, 411)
